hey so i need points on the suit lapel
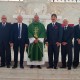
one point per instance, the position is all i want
(78, 29)
(16, 27)
(1, 25)
(5, 25)
(22, 30)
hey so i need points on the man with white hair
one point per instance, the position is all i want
(76, 45)
(5, 31)
(66, 46)
(19, 38)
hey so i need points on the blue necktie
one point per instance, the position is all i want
(3, 25)
(53, 25)
(19, 31)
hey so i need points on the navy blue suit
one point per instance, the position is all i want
(68, 35)
(4, 43)
(76, 45)
(19, 42)
(54, 34)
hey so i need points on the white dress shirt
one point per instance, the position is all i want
(3, 23)
(66, 27)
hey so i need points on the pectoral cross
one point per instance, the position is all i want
(35, 32)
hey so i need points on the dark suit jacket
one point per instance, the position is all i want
(68, 35)
(5, 33)
(76, 33)
(14, 34)
(54, 34)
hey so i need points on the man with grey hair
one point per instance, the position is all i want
(19, 38)
(5, 31)
(66, 45)
(76, 45)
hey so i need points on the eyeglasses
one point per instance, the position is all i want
(3, 18)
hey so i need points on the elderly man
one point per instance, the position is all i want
(19, 38)
(76, 45)
(36, 35)
(54, 37)
(5, 31)
(66, 46)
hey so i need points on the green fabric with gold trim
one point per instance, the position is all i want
(36, 30)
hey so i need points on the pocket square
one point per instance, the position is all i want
(56, 27)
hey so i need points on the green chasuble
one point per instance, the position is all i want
(36, 30)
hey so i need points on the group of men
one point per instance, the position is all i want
(18, 35)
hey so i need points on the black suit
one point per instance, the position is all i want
(4, 43)
(67, 49)
(54, 34)
(19, 42)
(76, 45)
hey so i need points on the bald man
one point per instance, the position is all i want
(36, 35)
(5, 31)
(66, 46)
(19, 38)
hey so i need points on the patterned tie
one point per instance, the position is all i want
(19, 31)
(3, 25)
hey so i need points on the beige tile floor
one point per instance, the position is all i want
(39, 74)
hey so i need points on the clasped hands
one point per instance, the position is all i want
(58, 44)
(36, 41)
(64, 43)
(78, 41)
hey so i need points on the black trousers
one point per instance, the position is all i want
(76, 54)
(53, 49)
(66, 50)
(16, 47)
(5, 51)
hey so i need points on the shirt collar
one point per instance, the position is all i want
(3, 23)
(53, 23)
(66, 26)
(20, 24)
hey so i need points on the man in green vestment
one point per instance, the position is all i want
(36, 35)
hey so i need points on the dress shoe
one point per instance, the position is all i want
(69, 68)
(39, 66)
(8, 66)
(2, 65)
(22, 66)
(74, 67)
(55, 68)
(14, 67)
(63, 67)
(49, 67)
(31, 66)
